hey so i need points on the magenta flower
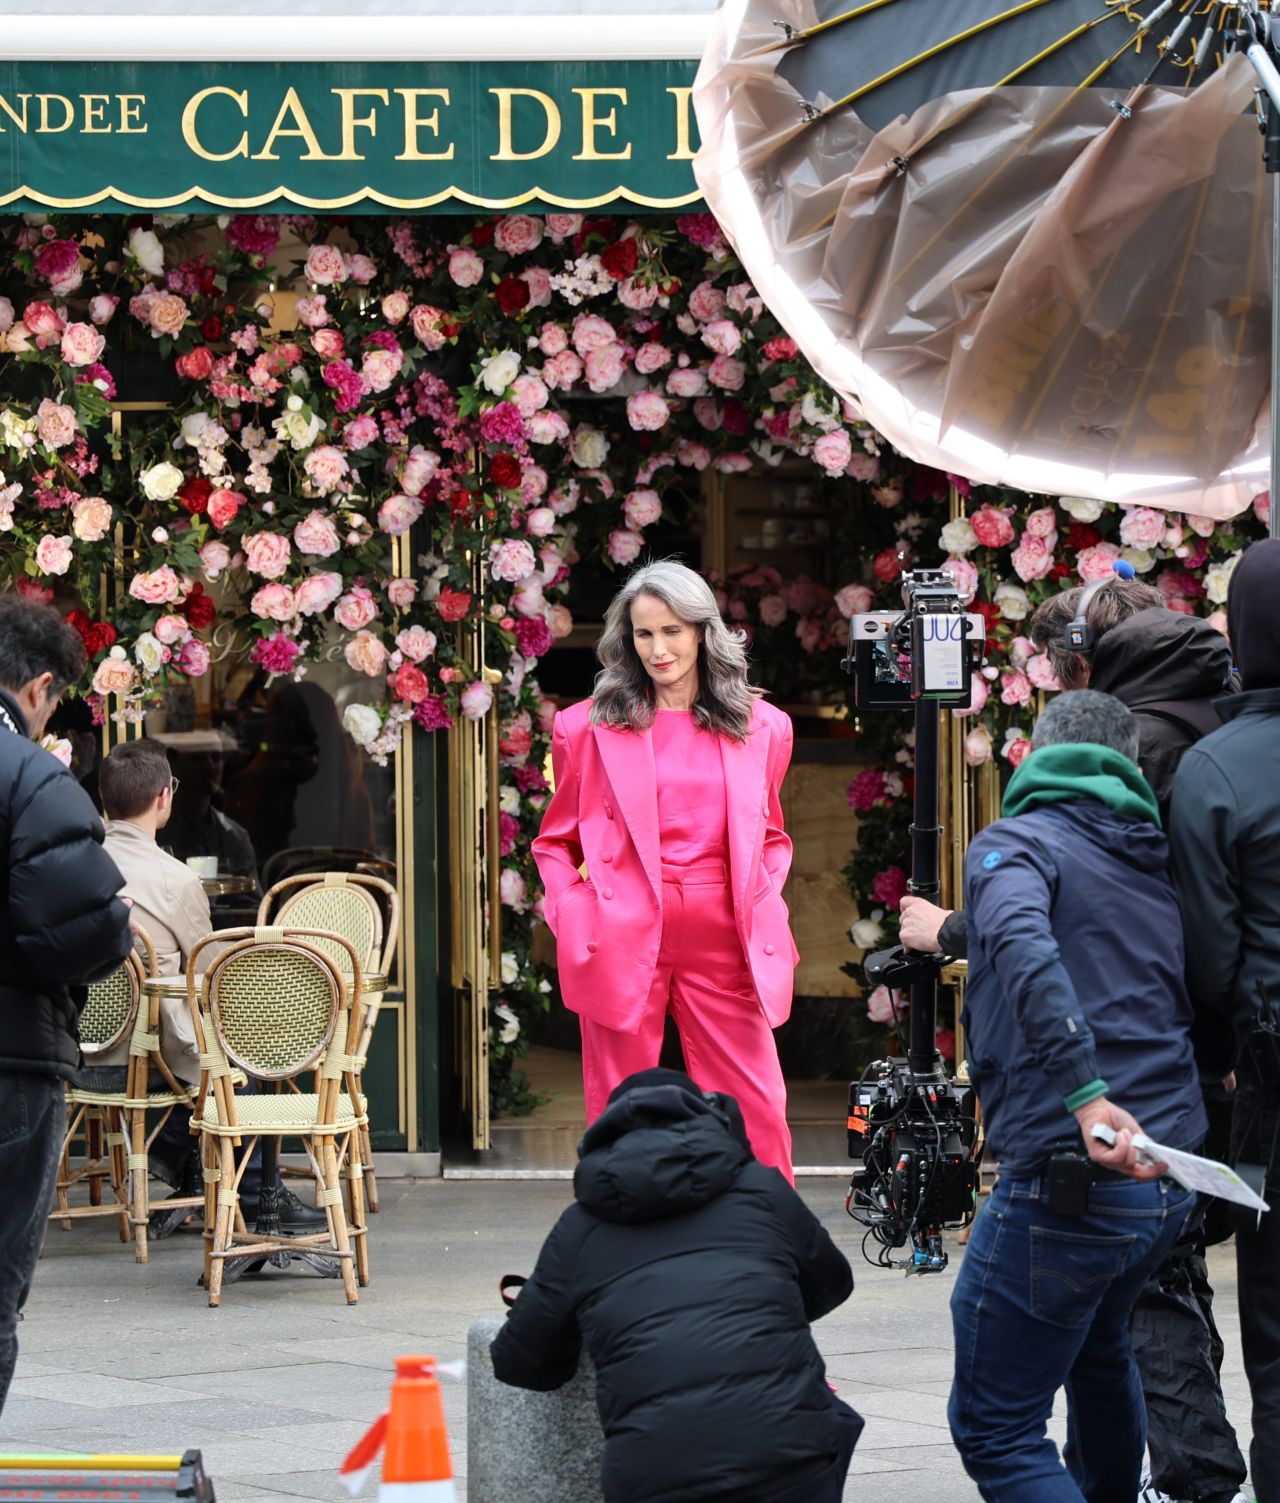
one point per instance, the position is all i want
(433, 714)
(276, 654)
(890, 886)
(866, 790)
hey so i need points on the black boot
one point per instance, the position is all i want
(297, 1219)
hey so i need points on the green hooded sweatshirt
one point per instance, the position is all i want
(1080, 770)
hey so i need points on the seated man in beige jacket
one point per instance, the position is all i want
(169, 902)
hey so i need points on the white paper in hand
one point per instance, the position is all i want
(1205, 1175)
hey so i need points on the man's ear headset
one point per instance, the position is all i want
(1077, 634)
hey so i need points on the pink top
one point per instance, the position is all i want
(693, 820)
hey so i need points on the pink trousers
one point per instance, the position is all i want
(702, 979)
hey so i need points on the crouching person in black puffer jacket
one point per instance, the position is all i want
(691, 1273)
(61, 927)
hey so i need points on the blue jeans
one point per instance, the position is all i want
(33, 1119)
(1043, 1301)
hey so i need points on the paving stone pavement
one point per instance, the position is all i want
(277, 1384)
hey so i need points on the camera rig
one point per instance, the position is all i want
(908, 1123)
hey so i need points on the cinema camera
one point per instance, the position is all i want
(908, 1123)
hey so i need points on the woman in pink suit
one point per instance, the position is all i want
(667, 784)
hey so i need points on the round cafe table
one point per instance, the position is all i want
(227, 885)
(267, 1219)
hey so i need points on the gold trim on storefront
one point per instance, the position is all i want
(202, 196)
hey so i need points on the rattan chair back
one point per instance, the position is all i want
(112, 1006)
(363, 909)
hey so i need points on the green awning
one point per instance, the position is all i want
(365, 137)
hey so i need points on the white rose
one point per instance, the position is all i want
(146, 250)
(510, 1024)
(362, 723)
(590, 448)
(816, 414)
(958, 537)
(1082, 508)
(193, 425)
(149, 653)
(299, 429)
(510, 968)
(1142, 559)
(1013, 601)
(499, 371)
(1217, 579)
(866, 934)
(161, 481)
(509, 800)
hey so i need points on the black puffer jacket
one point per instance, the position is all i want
(691, 1272)
(61, 924)
(1168, 668)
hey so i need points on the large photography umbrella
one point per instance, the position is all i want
(1032, 239)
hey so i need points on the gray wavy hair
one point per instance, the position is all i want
(624, 695)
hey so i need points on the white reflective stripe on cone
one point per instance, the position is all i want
(418, 1492)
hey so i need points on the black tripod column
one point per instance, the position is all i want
(926, 846)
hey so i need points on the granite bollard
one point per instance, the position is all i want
(526, 1447)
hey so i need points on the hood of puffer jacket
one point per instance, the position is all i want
(1252, 617)
(1161, 655)
(660, 1148)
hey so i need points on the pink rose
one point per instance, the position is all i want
(275, 602)
(379, 368)
(833, 451)
(82, 344)
(512, 559)
(267, 554)
(326, 467)
(216, 559)
(402, 592)
(476, 701)
(687, 381)
(326, 265)
(53, 554)
(418, 471)
(312, 312)
(726, 373)
(416, 643)
(552, 339)
(58, 262)
(1262, 507)
(706, 303)
(1142, 526)
(561, 624)
(693, 456)
(41, 320)
(993, 527)
(642, 508)
(395, 307)
(356, 609)
(529, 393)
(853, 600)
(55, 423)
(863, 466)
(1095, 563)
(465, 267)
(540, 522)
(223, 506)
(1032, 559)
(1041, 673)
(561, 226)
(91, 519)
(604, 368)
(639, 297)
(561, 371)
(398, 513)
(316, 535)
(533, 484)
(1218, 620)
(517, 234)
(170, 629)
(722, 337)
(964, 576)
(317, 593)
(773, 610)
(360, 432)
(882, 1006)
(193, 659)
(538, 280)
(651, 357)
(361, 269)
(329, 344)
(1016, 750)
(1043, 523)
(625, 545)
(979, 692)
(1015, 688)
(548, 427)
(166, 315)
(366, 654)
(977, 746)
(113, 676)
(161, 586)
(647, 411)
(590, 332)
(102, 308)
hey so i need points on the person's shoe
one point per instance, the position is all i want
(299, 1220)
(1148, 1492)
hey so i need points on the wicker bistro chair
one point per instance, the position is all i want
(276, 1004)
(365, 911)
(116, 1008)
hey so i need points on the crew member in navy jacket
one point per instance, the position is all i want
(1076, 1013)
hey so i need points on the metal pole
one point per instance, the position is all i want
(926, 841)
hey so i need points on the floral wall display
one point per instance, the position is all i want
(512, 398)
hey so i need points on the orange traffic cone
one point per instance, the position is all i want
(412, 1435)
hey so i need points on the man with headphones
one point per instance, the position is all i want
(1117, 636)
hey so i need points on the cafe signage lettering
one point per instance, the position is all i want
(360, 138)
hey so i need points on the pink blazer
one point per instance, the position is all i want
(605, 812)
